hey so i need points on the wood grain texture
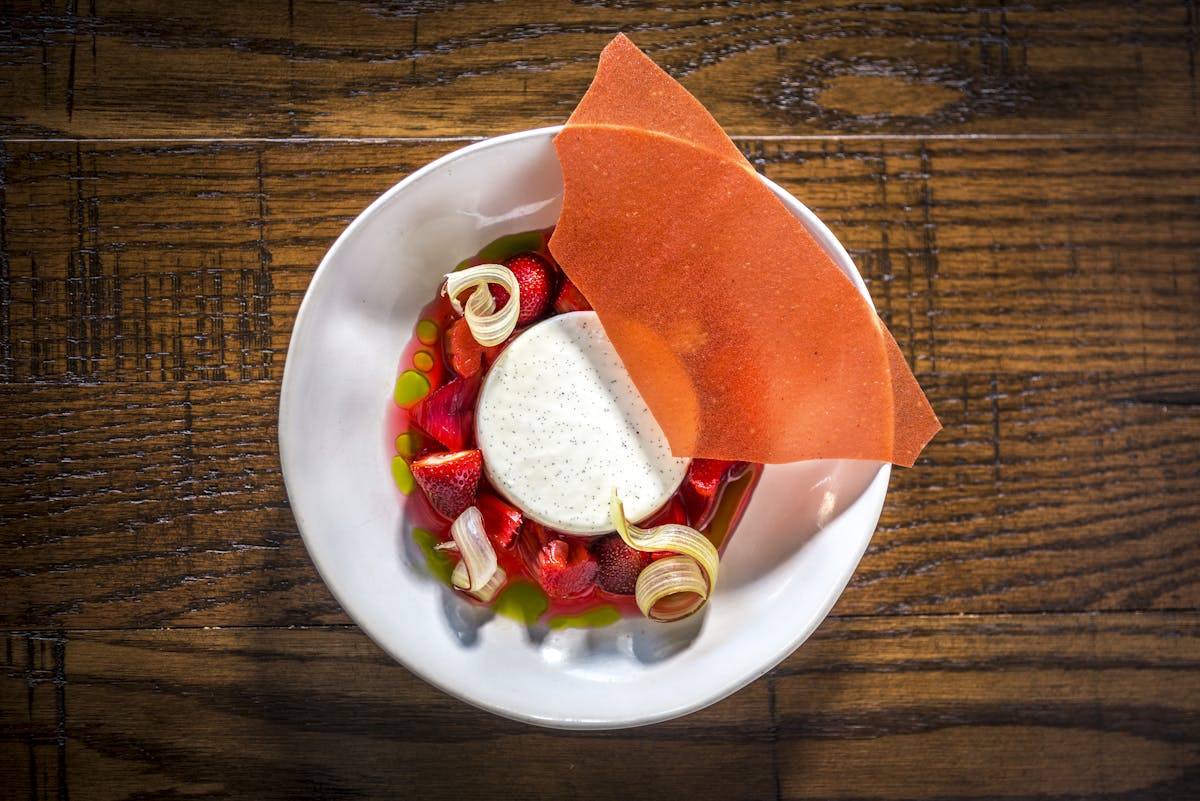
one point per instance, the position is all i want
(1019, 707)
(1041, 706)
(147, 505)
(1019, 185)
(329, 68)
(159, 262)
(1053, 324)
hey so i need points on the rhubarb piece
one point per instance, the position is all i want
(463, 351)
(500, 520)
(742, 335)
(678, 585)
(477, 571)
(489, 325)
(448, 413)
(450, 480)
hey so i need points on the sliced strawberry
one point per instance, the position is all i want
(449, 480)
(500, 520)
(447, 414)
(562, 565)
(536, 279)
(570, 299)
(619, 565)
(701, 489)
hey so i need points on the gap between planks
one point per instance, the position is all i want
(371, 140)
(1098, 613)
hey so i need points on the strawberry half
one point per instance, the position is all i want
(449, 480)
(701, 489)
(536, 279)
(570, 299)
(500, 520)
(618, 565)
(447, 413)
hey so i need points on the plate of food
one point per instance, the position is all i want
(589, 426)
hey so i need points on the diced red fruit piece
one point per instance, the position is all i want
(536, 279)
(618, 565)
(562, 565)
(447, 414)
(566, 569)
(463, 351)
(449, 480)
(570, 299)
(701, 487)
(500, 520)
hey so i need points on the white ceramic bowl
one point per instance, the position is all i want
(791, 557)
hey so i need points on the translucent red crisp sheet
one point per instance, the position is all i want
(745, 339)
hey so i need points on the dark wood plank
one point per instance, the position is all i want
(1021, 707)
(1024, 623)
(1044, 492)
(323, 713)
(154, 506)
(33, 733)
(173, 261)
(1040, 706)
(328, 68)
(1016, 255)
(147, 505)
(158, 262)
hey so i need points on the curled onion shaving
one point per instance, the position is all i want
(488, 326)
(671, 588)
(478, 568)
(485, 593)
(677, 586)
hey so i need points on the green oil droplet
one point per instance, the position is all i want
(440, 563)
(402, 475)
(423, 360)
(596, 618)
(507, 246)
(411, 386)
(522, 601)
(409, 444)
(427, 332)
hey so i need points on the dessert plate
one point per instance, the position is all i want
(797, 546)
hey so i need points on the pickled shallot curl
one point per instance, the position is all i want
(677, 586)
(488, 326)
(477, 572)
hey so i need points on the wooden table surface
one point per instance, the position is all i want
(1018, 183)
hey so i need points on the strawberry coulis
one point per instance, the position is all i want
(427, 356)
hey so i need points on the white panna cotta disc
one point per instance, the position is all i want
(560, 424)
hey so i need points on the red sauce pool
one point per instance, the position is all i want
(424, 367)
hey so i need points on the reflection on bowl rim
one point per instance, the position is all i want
(786, 637)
